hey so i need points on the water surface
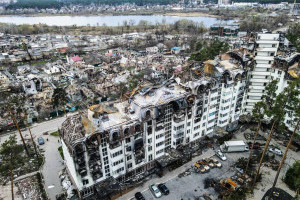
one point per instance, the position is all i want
(107, 20)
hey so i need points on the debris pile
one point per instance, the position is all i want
(66, 184)
(28, 187)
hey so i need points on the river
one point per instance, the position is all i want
(107, 20)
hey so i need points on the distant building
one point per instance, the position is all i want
(295, 9)
(224, 30)
(223, 2)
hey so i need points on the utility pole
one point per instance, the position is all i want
(17, 125)
(26, 123)
(285, 153)
(263, 154)
(251, 150)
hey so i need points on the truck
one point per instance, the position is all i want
(234, 146)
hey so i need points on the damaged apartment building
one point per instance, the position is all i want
(272, 61)
(122, 140)
(115, 142)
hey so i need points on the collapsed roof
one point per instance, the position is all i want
(289, 64)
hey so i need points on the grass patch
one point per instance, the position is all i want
(38, 62)
(61, 152)
(56, 134)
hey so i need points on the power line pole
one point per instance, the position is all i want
(285, 154)
(17, 125)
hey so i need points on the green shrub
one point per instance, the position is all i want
(292, 176)
(61, 152)
(56, 134)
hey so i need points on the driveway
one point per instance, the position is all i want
(52, 166)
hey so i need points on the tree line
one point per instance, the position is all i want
(182, 26)
(293, 35)
(58, 4)
(208, 50)
(253, 1)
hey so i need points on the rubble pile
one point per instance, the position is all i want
(73, 128)
(66, 184)
(28, 187)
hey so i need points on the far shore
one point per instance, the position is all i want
(190, 14)
(179, 14)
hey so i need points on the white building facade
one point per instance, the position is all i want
(260, 76)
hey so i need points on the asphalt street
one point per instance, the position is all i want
(37, 130)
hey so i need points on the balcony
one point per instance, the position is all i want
(114, 144)
(139, 156)
(178, 118)
(178, 134)
(158, 128)
(82, 171)
(198, 112)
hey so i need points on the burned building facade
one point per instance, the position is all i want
(123, 140)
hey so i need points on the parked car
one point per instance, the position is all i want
(217, 163)
(163, 188)
(205, 161)
(204, 164)
(275, 151)
(155, 191)
(210, 162)
(199, 168)
(139, 196)
(221, 155)
(41, 141)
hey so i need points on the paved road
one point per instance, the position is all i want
(37, 129)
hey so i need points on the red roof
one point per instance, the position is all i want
(76, 58)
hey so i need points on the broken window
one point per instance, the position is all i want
(129, 165)
(126, 131)
(137, 128)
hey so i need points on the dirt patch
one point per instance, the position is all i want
(268, 178)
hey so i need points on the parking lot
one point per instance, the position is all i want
(191, 186)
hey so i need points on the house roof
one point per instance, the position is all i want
(76, 58)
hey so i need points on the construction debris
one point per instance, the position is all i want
(29, 188)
